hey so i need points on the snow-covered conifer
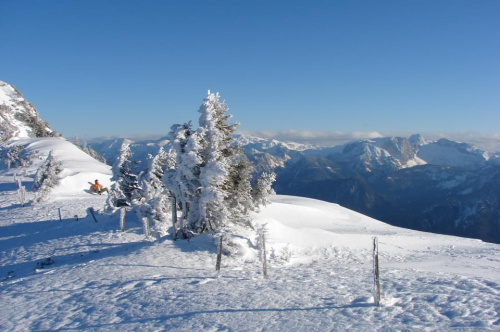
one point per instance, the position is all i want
(124, 155)
(183, 180)
(126, 185)
(219, 159)
(210, 178)
(93, 153)
(82, 144)
(263, 189)
(46, 177)
(17, 156)
(238, 186)
(115, 194)
(154, 201)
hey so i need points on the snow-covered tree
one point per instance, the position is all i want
(16, 156)
(238, 186)
(263, 189)
(214, 169)
(93, 153)
(82, 144)
(225, 171)
(154, 200)
(46, 177)
(115, 195)
(183, 180)
(210, 178)
(126, 185)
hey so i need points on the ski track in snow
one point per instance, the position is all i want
(320, 273)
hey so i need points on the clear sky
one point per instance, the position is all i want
(106, 67)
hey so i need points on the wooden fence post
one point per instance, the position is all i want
(123, 212)
(174, 216)
(145, 224)
(376, 275)
(21, 192)
(264, 258)
(91, 210)
(219, 255)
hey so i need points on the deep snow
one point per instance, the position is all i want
(320, 268)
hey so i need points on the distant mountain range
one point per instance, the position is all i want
(438, 186)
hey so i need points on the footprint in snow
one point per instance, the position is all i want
(138, 284)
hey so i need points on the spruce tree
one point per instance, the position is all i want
(126, 186)
(209, 175)
(214, 169)
(183, 180)
(46, 177)
(263, 189)
(154, 200)
(238, 186)
(225, 170)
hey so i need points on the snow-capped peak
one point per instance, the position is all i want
(18, 117)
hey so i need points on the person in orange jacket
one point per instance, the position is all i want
(98, 188)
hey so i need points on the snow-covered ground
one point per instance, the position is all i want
(320, 268)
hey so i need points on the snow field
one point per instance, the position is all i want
(106, 280)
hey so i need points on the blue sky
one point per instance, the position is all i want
(97, 68)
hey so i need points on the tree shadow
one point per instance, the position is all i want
(31, 235)
(83, 256)
(8, 186)
(16, 206)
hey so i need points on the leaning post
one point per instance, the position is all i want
(376, 275)
(174, 216)
(264, 258)
(123, 212)
(219, 255)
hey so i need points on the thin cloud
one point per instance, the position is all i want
(332, 138)
(322, 138)
(490, 142)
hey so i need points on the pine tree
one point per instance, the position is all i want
(46, 177)
(263, 189)
(238, 186)
(126, 186)
(87, 149)
(154, 201)
(17, 156)
(115, 195)
(225, 171)
(93, 153)
(210, 177)
(214, 168)
(183, 180)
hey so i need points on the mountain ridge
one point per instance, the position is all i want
(18, 117)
